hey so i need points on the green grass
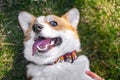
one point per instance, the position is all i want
(99, 31)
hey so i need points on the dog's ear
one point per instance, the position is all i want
(72, 16)
(25, 20)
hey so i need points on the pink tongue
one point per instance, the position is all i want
(41, 44)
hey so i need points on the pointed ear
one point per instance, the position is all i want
(72, 16)
(25, 20)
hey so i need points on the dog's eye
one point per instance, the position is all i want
(53, 23)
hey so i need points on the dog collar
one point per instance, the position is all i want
(68, 57)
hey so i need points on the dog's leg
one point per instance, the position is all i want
(83, 66)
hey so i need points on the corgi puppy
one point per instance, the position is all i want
(51, 45)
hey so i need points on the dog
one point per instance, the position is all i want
(51, 45)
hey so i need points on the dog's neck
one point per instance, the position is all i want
(68, 57)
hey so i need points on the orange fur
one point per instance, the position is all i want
(63, 24)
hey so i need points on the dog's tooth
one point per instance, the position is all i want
(38, 48)
(41, 48)
(46, 46)
(52, 42)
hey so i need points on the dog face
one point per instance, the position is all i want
(49, 37)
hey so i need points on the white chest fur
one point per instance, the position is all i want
(61, 71)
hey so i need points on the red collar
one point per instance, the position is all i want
(68, 57)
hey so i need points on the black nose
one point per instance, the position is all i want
(37, 27)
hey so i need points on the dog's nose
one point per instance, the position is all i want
(37, 27)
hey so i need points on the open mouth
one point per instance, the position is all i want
(42, 44)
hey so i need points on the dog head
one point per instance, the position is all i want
(49, 37)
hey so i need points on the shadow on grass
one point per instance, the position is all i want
(15, 35)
